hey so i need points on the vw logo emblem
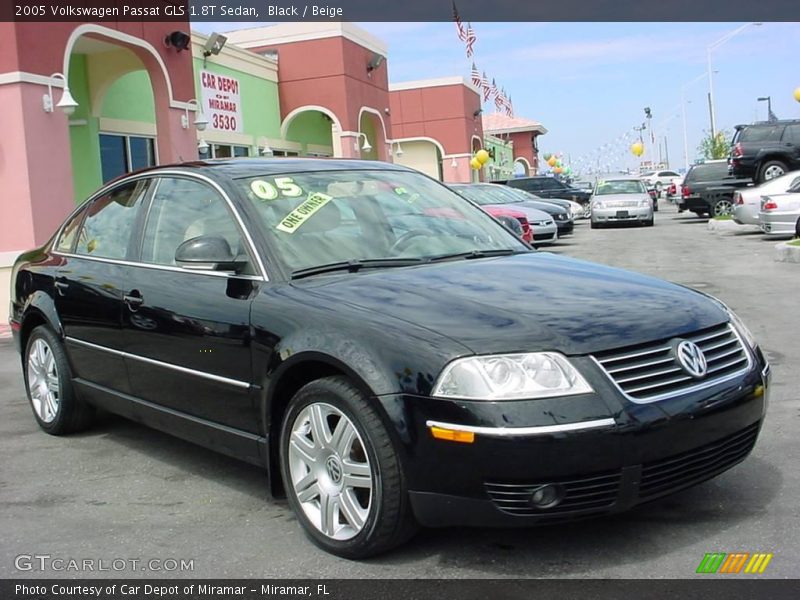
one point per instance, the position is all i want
(691, 359)
(334, 469)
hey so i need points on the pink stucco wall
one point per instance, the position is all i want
(444, 113)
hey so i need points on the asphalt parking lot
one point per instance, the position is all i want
(123, 491)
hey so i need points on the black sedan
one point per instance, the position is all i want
(549, 187)
(389, 353)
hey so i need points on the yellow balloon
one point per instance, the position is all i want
(475, 163)
(637, 149)
(797, 94)
(552, 161)
(482, 156)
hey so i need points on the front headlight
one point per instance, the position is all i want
(510, 377)
(738, 324)
(743, 330)
(644, 203)
(598, 204)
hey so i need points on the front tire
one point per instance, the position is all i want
(48, 383)
(342, 476)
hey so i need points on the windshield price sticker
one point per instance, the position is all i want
(269, 191)
(302, 213)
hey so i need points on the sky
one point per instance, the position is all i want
(588, 83)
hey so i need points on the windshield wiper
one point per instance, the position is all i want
(476, 254)
(355, 265)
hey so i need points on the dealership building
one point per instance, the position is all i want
(87, 102)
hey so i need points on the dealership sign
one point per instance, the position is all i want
(221, 101)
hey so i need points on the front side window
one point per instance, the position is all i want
(183, 209)
(319, 218)
(109, 222)
(792, 134)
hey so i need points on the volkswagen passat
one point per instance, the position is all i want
(389, 353)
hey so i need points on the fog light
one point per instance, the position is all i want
(547, 496)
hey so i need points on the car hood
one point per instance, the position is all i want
(544, 206)
(533, 215)
(611, 198)
(525, 302)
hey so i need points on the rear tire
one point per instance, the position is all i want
(343, 478)
(48, 383)
(722, 208)
(595, 225)
(770, 170)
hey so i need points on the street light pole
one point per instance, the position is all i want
(683, 116)
(709, 49)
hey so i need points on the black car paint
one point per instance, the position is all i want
(784, 147)
(553, 189)
(391, 332)
(704, 184)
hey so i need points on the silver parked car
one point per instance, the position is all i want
(780, 213)
(747, 201)
(621, 200)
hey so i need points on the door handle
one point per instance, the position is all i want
(133, 300)
(61, 286)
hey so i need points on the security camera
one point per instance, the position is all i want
(179, 40)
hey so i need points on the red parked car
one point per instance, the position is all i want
(506, 215)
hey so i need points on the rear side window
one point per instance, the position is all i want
(70, 232)
(109, 222)
(708, 172)
(771, 133)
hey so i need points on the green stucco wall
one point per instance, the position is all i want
(130, 98)
(502, 165)
(259, 97)
(84, 145)
(310, 127)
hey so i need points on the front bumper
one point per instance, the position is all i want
(622, 214)
(565, 227)
(621, 454)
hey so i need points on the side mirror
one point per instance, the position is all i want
(208, 253)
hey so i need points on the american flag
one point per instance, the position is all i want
(462, 33)
(476, 76)
(493, 90)
(509, 107)
(470, 41)
(486, 87)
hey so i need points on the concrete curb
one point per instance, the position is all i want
(730, 226)
(786, 253)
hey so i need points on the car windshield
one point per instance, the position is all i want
(328, 217)
(620, 186)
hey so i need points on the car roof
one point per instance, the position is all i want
(236, 168)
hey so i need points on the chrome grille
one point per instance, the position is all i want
(587, 493)
(682, 470)
(650, 371)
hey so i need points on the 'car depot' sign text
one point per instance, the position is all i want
(221, 101)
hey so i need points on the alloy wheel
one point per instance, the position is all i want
(723, 208)
(330, 471)
(43, 383)
(772, 172)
